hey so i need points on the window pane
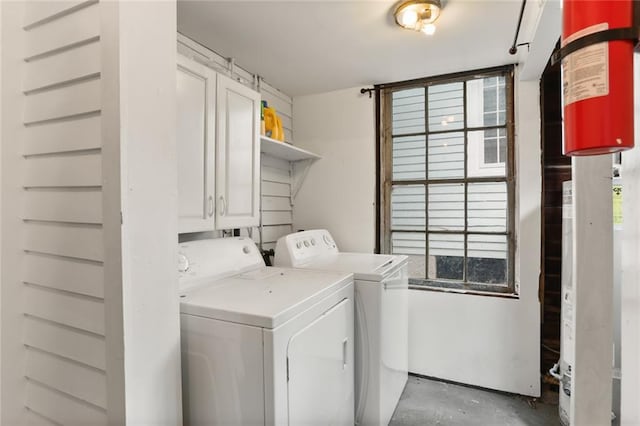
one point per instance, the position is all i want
(490, 151)
(446, 257)
(446, 155)
(411, 244)
(487, 259)
(490, 97)
(409, 158)
(490, 117)
(408, 111)
(487, 207)
(446, 107)
(482, 153)
(502, 141)
(486, 102)
(408, 208)
(446, 207)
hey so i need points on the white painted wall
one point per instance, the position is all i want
(339, 191)
(484, 341)
(630, 307)
(0, 209)
(140, 181)
(488, 341)
(11, 352)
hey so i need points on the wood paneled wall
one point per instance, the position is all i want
(556, 168)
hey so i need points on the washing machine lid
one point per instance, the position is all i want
(265, 297)
(366, 267)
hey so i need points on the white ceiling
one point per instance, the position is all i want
(305, 47)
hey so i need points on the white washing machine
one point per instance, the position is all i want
(263, 346)
(382, 290)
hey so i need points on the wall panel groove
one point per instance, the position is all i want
(54, 154)
(78, 133)
(71, 170)
(63, 407)
(64, 67)
(37, 14)
(54, 290)
(64, 326)
(68, 30)
(81, 382)
(63, 206)
(63, 308)
(63, 358)
(63, 257)
(78, 98)
(65, 240)
(62, 84)
(71, 117)
(35, 418)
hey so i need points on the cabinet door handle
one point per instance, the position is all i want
(210, 205)
(344, 353)
(223, 206)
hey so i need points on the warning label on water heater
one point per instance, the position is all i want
(585, 72)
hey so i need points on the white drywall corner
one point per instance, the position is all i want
(140, 212)
(544, 22)
(339, 192)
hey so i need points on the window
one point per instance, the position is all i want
(447, 179)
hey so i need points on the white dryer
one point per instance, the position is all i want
(382, 289)
(263, 346)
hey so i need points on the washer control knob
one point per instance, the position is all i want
(326, 239)
(183, 263)
(246, 250)
(313, 241)
(306, 243)
(299, 244)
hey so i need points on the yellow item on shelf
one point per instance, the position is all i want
(273, 124)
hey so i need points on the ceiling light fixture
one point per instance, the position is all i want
(418, 15)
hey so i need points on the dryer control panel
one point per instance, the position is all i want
(296, 249)
(211, 259)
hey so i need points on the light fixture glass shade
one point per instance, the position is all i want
(409, 18)
(429, 29)
(418, 15)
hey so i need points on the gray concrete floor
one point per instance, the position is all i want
(431, 402)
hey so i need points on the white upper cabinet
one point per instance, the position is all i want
(237, 155)
(196, 93)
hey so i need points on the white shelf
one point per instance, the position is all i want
(285, 151)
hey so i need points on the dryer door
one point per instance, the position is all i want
(320, 369)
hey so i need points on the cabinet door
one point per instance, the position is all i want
(196, 89)
(237, 155)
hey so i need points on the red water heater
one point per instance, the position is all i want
(597, 79)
